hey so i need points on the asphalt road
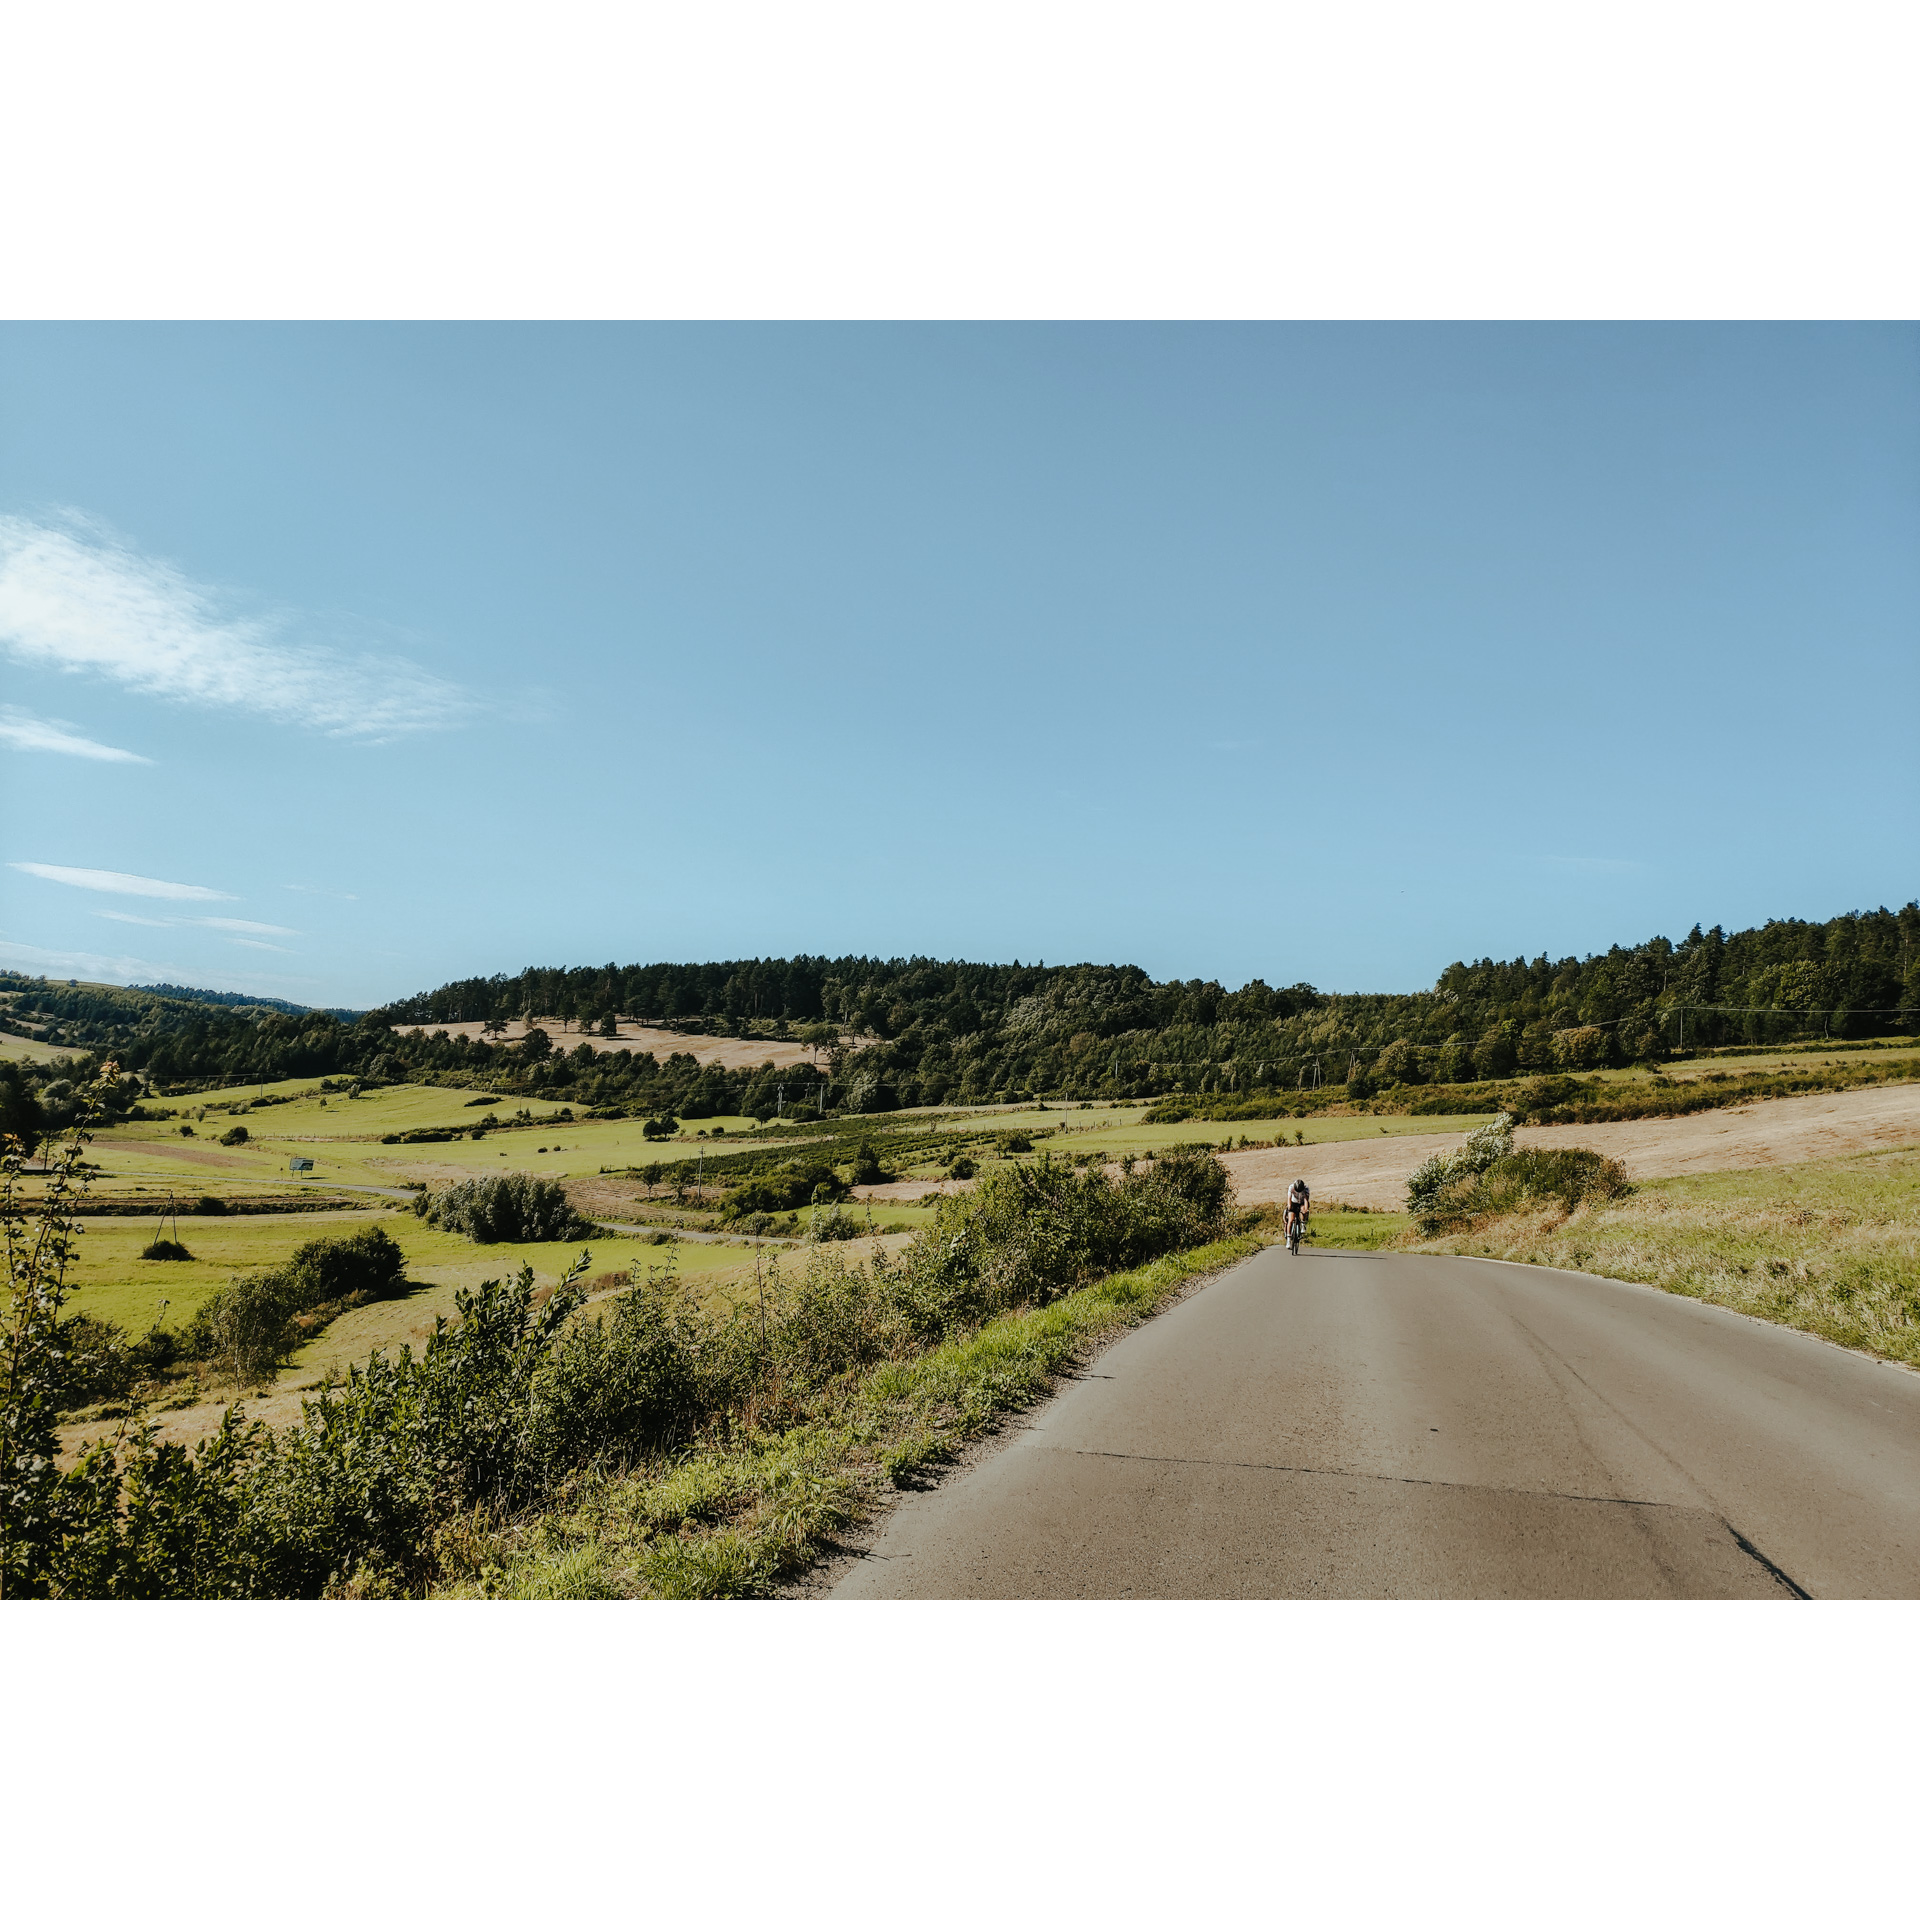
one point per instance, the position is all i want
(1346, 1425)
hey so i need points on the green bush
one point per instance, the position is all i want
(505, 1206)
(234, 1137)
(514, 1396)
(1487, 1177)
(1568, 1176)
(783, 1190)
(249, 1327)
(164, 1250)
(1434, 1177)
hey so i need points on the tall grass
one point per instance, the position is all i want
(1831, 1247)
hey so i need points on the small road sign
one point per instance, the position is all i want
(297, 1165)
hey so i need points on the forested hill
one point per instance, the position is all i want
(961, 1031)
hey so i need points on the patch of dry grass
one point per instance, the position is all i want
(1831, 1247)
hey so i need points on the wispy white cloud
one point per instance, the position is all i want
(241, 926)
(31, 734)
(265, 946)
(74, 599)
(127, 968)
(100, 880)
(132, 919)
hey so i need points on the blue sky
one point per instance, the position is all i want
(343, 660)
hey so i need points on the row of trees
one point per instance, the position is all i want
(940, 1031)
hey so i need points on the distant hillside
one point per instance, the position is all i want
(207, 997)
(965, 1031)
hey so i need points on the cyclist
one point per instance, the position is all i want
(1299, 1207)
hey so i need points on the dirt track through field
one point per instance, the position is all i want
(1771, 1133)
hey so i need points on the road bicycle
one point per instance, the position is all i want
(1296, 1226)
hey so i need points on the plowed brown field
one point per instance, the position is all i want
(708, 1049)
(1770, 1133)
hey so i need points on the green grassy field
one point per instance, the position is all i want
(115, 1284)
(1777, 1060)
(1831, 1246)
(1127, 1134)
(342, 1138)
(1361, 1232)
(14, 1047)
(309, 1114)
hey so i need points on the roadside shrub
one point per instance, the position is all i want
(1032, 1232)
(1432, 1179)
(517, 1394)
(234, 1137)
(209, 1203)
(867, 1170)
(1562, 1177)
(1569, 1176)
(962, 1167)
(505, 1206)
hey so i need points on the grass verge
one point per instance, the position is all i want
(1831, 1247)
(734, 1520)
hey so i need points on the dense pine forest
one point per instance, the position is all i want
(892, 1033)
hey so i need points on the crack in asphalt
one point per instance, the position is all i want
(1409, 1480)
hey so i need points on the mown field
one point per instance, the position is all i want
(344, 1140)
(1730, 1060)
(14, 1046)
